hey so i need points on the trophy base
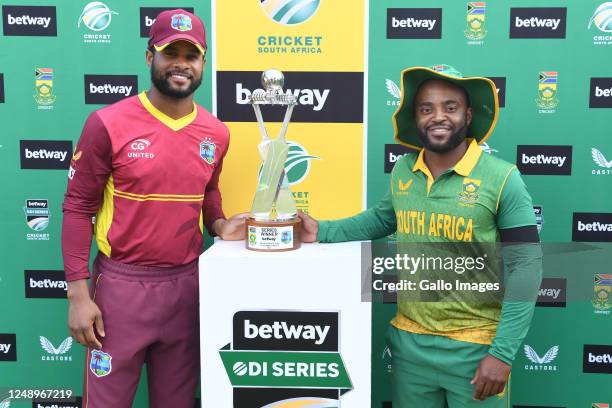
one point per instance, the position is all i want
(273, 236)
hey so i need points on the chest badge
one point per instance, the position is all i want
(469, 191)
(207, 151)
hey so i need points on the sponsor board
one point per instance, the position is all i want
(47, 284)
(414, 23)
(8, 347)
(393, 152)
(45, 154)
(538, 22)
(601, 93)
(552, 292)
(597, 359)
(149, 14)
(280, 357)
(592, 227)
(107, 89)
(322, 97)
(75, 402)
(29, 21)
(544, 160)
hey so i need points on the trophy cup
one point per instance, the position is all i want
(273, 224)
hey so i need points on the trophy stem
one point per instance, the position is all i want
(260, 122)
(286, 120)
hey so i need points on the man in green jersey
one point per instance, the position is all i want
(454, 353)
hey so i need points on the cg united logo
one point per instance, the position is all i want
(602, 19)
(97, 17)
(290, 12)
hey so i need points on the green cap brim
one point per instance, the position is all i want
(483, 98)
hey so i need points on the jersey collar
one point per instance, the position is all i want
(174, 124)
(463, 167)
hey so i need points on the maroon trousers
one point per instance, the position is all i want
(150, 316)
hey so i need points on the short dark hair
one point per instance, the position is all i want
(464, 91)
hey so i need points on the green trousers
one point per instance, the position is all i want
(435, 372)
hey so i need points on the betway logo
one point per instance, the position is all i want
(282, 330)
(110, 89)
(413, 23)
(45, 154)
(27, 20)
(4, 348)
(39, 405)
(310, 97)
(594, 226)
(552, 293)
(48, 284)
(602, 93)
(552, 23)
(605, 358)
(543, 159)
(149, 21)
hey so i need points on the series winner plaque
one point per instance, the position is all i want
(273, 224)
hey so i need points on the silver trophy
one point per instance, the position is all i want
(273, 211)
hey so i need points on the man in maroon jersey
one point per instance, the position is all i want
(148, 168)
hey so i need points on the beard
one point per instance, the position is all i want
(162, 83)
(453, 141)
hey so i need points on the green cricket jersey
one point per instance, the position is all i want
(471, 202)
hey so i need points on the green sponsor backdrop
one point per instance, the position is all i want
(576, 59)
(70, 58)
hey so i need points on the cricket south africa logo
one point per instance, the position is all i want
(547, 92)
(96, 16)
(43, 83)
(469, 191)
(602, 289)
(475, 31)
(290, 12)
(602, 18)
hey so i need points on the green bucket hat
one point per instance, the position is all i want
(483, 98)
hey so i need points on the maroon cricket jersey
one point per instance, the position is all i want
(150, 180)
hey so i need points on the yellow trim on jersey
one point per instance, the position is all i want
(174, 124)
(158, 197)
(469, 159)
(463, 167)
(104, 218)
(201, 221)
(502, 187)
(479, 335)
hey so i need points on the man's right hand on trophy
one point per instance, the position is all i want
(310, 227)
(231, 229)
